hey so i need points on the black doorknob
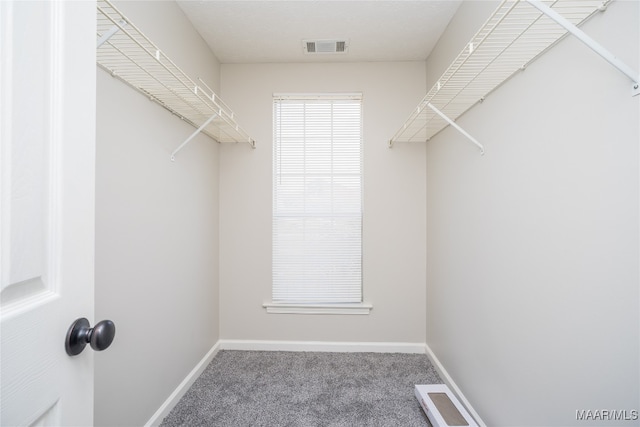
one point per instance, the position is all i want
(81, 333)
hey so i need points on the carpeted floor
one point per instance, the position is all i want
(258, 388)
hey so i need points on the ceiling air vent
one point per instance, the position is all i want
(325, 46)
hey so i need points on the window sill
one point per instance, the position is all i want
(279, 308)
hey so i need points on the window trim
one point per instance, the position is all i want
(283, 308)
(327, 96)
(355, 308)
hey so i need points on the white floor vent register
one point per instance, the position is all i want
(442, 408)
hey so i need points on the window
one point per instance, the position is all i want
(317, 199)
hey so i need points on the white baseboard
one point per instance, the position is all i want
(182, 388)
(323, 346)
(452, 385)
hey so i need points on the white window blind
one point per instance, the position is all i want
(317, 199)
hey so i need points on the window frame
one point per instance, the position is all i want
(311, 306)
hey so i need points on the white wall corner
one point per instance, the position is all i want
(176, 395)
(444, 375)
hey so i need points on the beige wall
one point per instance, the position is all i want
(532, 260)
(156, 231)
(394, 205)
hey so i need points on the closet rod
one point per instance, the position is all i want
(592, 44)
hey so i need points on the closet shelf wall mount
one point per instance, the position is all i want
(127, 54)
(515, 34)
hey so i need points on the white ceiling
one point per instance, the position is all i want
(240, 31)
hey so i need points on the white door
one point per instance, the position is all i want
(47, 126)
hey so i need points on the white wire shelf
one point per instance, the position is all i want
(513, 36)
(125, 52)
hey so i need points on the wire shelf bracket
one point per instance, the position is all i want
(127, 54)
(457, 127)
(517, 33)
(193, 135)
(449, 121)
(107, 35)
(591, 43)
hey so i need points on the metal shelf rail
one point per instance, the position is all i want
(125, 52)
(515, 34)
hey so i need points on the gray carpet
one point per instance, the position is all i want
(258, 388)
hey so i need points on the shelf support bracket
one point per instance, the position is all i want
(592, 44)
(106, 36)
(193, 135)
(455, 125)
